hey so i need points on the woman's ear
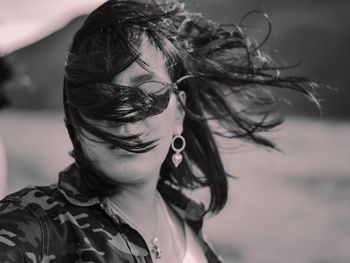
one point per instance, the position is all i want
(180, 115)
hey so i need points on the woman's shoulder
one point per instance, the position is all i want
(38, 223)
(29, 198)
(20, 226)
(26, 210)
(27, 206)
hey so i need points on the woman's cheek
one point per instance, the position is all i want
(164, 123)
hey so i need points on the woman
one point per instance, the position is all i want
(146, 82)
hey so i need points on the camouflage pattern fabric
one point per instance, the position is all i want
(58, 223)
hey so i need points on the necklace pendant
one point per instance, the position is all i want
(155, 249)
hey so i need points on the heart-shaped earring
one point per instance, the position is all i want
(177, 156)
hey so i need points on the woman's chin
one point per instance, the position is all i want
(139, 173)
(132, 167)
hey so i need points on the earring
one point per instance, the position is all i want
(177, 156)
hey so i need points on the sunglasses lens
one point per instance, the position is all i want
(153, 87)
(160, 94)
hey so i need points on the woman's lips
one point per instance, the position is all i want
(124, 153)
(139, 141)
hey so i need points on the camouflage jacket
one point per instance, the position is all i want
(57, 223)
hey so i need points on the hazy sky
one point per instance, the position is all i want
(25, 21)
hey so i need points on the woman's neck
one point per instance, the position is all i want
(138, 201)
(149, 215)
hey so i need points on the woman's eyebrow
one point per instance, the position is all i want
(142, 78)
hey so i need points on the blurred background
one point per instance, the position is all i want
(284, 207)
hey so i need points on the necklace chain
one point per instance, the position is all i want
(130, 220)
(172, 231)
(154, 240)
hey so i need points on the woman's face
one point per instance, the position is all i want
(127, 167)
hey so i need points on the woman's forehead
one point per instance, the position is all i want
(152, 66)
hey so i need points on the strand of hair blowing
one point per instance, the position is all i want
(230, 81)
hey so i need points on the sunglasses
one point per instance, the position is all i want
(119, 103)
(156, 94)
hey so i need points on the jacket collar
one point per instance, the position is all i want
(70, 180)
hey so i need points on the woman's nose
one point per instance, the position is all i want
(130, 128)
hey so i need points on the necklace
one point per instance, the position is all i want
(154, 240)
(172, 231)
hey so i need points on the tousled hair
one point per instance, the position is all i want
(229, 81)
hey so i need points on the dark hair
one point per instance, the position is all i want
(230, 81)
(5, 76)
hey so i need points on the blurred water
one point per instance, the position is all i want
(285, 207)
